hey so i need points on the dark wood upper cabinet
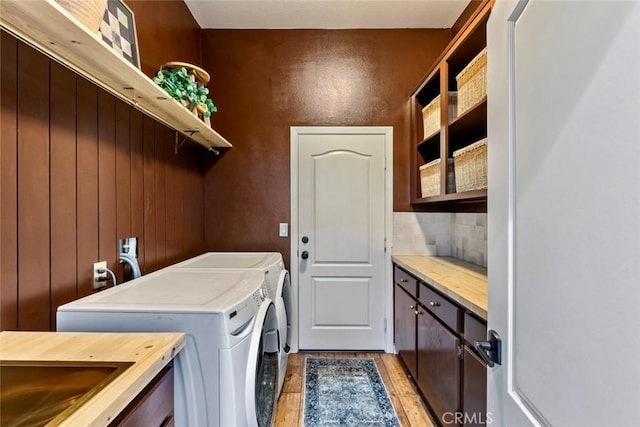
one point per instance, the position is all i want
(456, 131)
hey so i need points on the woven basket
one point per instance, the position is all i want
(201, 78)
(88, 12)
(472, 82)
(199, 75)
(471, 167)
(430, 178)
(431, 114)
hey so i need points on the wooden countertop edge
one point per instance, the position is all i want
(149, 352)
(477, 277)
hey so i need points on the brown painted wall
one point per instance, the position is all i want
(166, 32)
(81, 169)
(264, 81)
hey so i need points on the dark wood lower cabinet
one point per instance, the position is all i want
(434, 337)
(474, 389)
(438, 365)
(405, 329)
(153, 407)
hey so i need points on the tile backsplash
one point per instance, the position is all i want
(469, 237)
(461, 235)
(421, 233)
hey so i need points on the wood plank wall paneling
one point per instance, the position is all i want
(87, 183)
(107, 208)
(33, 190)
(81, 169)
(63, 186)
(306, 78)
(123, 180)
(171, 209)
(150, 254)
(8, 182)
(160, 182)
(137, 181)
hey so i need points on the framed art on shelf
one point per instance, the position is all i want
(118, 30)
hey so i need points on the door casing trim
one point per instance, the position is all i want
(387, 131)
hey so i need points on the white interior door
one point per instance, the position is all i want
(341, 238)
(564, 212)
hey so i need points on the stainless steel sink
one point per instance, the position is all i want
(45, 393)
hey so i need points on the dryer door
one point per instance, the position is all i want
(262, 369)
(285, 294)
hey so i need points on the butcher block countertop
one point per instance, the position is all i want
(149, 353)
(461, 281)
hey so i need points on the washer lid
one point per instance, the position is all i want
(261, 260)
(176, 291)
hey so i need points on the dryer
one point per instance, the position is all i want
(228, 371)
(270, 263)
(278, 284)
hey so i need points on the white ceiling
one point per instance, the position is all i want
(325, 14)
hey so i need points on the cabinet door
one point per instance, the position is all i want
(405, 328)
(474, 389)
(153, 406)
(438, 366)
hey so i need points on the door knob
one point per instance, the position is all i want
(304, 255)
(305, 239)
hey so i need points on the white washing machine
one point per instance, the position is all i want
(227, 373)
(278, 284)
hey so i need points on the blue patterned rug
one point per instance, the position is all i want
(346, 392)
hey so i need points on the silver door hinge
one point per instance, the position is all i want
(385, 325)
(460, 351)
(385, 244)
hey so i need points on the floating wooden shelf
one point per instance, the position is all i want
(450, 197)
(470, 126)
(51, 29)
(430, 147)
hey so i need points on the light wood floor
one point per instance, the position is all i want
(406, 401)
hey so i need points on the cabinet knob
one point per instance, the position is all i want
(419, 312)
(412, 307)
(403, 280)
(434, 304)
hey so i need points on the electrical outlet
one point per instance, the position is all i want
(99, 279)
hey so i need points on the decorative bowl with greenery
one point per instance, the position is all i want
(185, 83)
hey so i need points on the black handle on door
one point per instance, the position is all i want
(304, 254)
(491, 350)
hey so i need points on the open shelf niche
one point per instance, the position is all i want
(456, 132)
